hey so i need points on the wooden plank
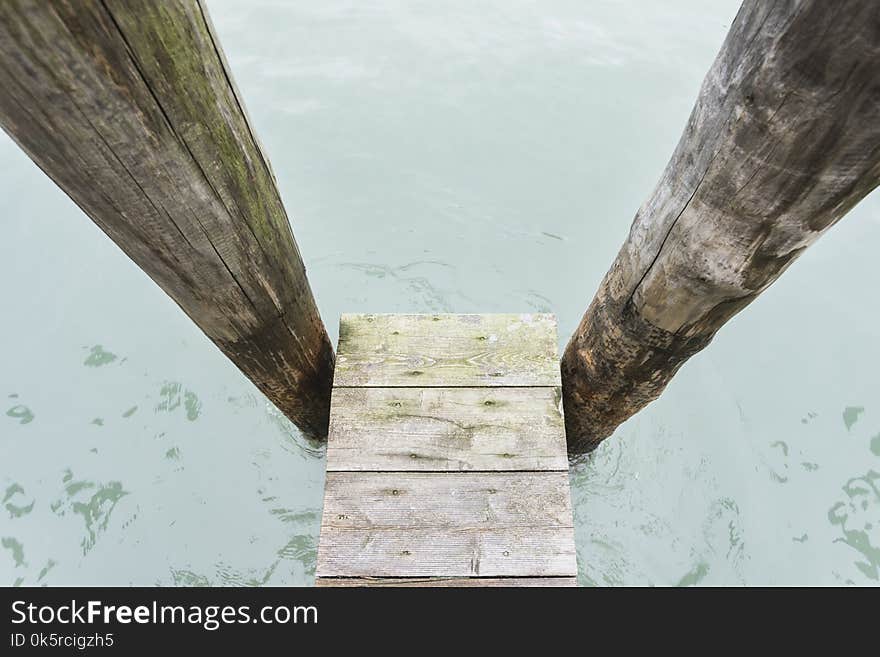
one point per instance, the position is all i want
(447, 524)
(130, 108)
(437, 429)
(492, 582)
(447, 350)
(450, 500)
(781, 144)
(510, 552)
(457, 475)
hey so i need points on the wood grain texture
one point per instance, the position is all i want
(445, 500)
(447, 524)
(513, 552)
(447, 350)
(434, 582)
(437, 429)
(431, 482)
(130, 108)
(783, 141)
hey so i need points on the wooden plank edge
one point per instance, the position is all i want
(471, 582)
(447, 385)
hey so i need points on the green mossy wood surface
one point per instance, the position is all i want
(130, 108)
(431, 429)
(457, 476)
(447, 350)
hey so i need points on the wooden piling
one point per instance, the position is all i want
(783, 141)
(131, 109)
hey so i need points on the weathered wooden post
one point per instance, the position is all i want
(783, 141)
(130, 108)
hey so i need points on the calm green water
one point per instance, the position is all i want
(479, 157)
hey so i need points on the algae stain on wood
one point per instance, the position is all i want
(131, 109)
(450, 476)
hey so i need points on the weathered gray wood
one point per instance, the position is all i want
(129, 107)
(783, 141)
(482, 501)
(447, 524)
(458, 478)
(512, 552)
(486, 582)
(436, 429)
(447, 350)
(437, 522)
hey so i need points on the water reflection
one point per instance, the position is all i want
(420, 281)
(467, 158)
(144, 472)
(93, 502)
(22, 413)
(301, 549)
(650, 507)
(695, 576)
(16, 510)
(851, 415)
(858, 518)
(98, 357)
(171, 395)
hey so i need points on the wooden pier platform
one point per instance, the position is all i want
(446, 458)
